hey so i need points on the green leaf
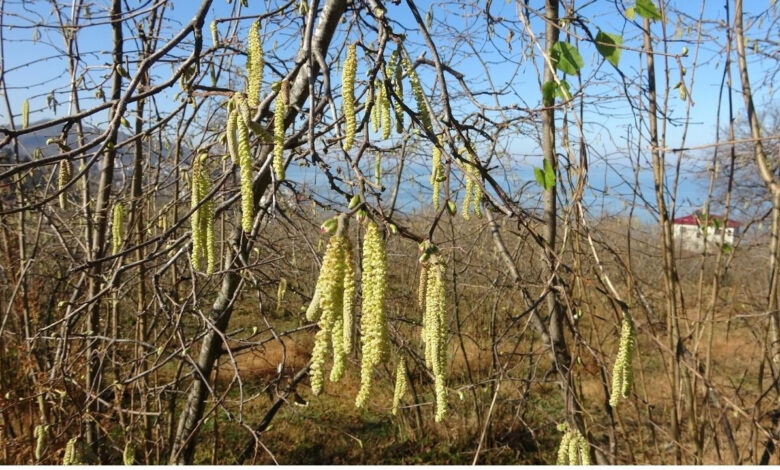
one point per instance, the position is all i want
(551, 90)
(539, 175)
(549, 175)
(631, 13)
(608, 46)
(646, 9)
(566, 58)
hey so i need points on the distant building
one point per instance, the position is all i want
(691, 231)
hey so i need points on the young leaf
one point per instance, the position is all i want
(631, 13)
(646, 9)
(608, 46)
(551, 90)
(566, 58)
(539, 175)
(549, 175)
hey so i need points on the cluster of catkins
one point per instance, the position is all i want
(77, 452)
(203, 217)
(431, 296)
(573, 449)
(380, 113)
(623, 373)
(473, 197)
(333, 304)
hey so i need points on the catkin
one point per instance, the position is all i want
(419, 97)
(422, 286)
(230, 132)
(376, 109)
(245, 161)
(25, 114)
(255, 64)
(385, 111)
(280, 110)
(40, 439)
(128, 456)
(473, 197)
(280, 291)
(395, 70)
(373, 322)
(331, 288)
(573, 449)
(437, 174)
(349, 297)
(117, 232)
(400, 385)
(202, 218)
(435, 332)
(622, 373)
(62, 180)
(348, 96)
(214, 33)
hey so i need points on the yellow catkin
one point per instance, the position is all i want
(245, 161)
(281, 290)
(437, 174)
(348, 96)
(230, 132)
(255, 63)
(62, 180)
(622, 372)
(349, 297)
(400, 385)
(563, 449)
(67, 459)
(25, 114)
(419, 96)
(280, 110)
(76, 453)
(573, 449)
(202, 218)
(473, 197)
(385, 111)
(214, 33)
(312, 312)
(435, 332)
(117, 232)
(421, 286)
(373, 322)
(40, 439)
(376, 109)
(378, 169)
(331, 287)
(128, 455)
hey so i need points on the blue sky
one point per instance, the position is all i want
(34, 65)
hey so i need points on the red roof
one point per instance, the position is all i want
(699, 219)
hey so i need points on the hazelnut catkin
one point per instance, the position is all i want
(203, 217)
(435, 332)
(348, 96)
(280, 110)
(419, 97)
(437, 174)
(400, 385)
(373, 322)
(230, 132)
(117, 232)
(254, 64)
(573, 449)
(395, 72)
(245, 161)
(63, 177)
(623, 373)
(331, 296)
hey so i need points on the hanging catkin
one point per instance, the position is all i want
(437, 174)
(373, 322)
(623, 373)
(434, 332)
(230, 132)
(473, 196)
(203, 217)
(117, 232)
(400, 385)
(255, 64)
(330, 286)
(348, 96)
(349, 297)
(419, 96)
(245, 162)
(395, 72)
(573, 449)
(62, 180)
(280, 110)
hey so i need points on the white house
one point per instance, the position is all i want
(691, 231)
